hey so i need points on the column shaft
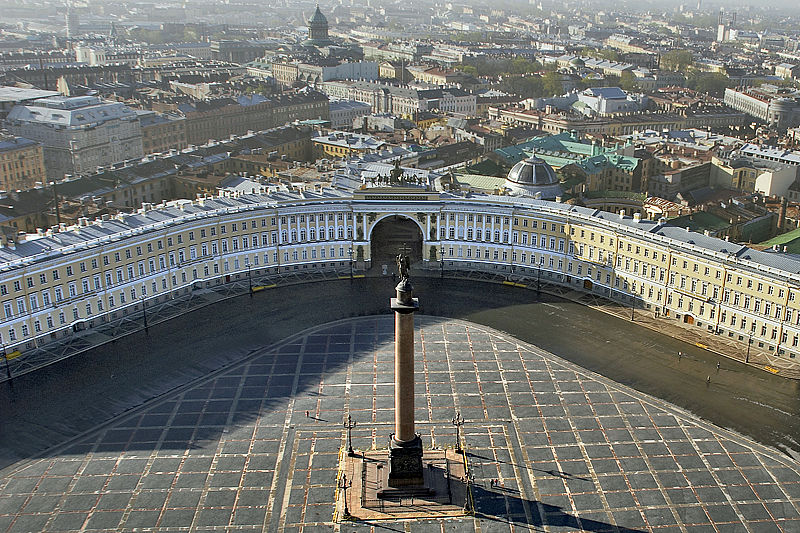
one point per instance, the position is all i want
(404, 377)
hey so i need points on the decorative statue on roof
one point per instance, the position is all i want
(396, 173)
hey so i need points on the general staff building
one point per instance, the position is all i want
(67, 279)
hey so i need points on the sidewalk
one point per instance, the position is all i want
(724, 346)
(132, 322)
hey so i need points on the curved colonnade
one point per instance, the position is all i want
(71, 278)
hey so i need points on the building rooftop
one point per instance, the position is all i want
(18, 94)
(69, 112)
(17, 143)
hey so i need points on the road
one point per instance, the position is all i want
(56, 403)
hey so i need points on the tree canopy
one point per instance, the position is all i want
(676, 60)
(713, 83)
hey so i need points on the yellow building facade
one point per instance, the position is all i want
(54, 284)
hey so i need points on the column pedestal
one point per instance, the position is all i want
(405, 463)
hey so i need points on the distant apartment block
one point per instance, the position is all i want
(302, 105)
(778, 108)
(46, 78)
(409, 52)
(79, 133)
(238, 51)
(403, 101)
(344, 112)
(162, 132)
(25, 58)
(609, 101)
(21, 163)
(221, 118)
(286, 71)
(104, 55)
(339, 144)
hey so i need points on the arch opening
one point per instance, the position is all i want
(389, 235)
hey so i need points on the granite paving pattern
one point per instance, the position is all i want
(255, 447)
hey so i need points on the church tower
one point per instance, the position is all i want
(318, 30)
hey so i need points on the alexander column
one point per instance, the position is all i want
(405, 448)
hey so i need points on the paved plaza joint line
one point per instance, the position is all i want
(256, 446)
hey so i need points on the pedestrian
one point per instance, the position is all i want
(680, 354)
(307, 415)
(717, 365)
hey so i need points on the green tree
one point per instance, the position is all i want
(713, 84)
(612, 80)
(628, 82)
(524, 86)
(521, 66)
(551, 84)
(676, 60)
(606, 53)
(610, 55)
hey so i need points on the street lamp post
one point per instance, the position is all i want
(349, 425)
(350, 252)
(539, 275)
(144, 314)
(249, 280)
(441, 262)
(633, 305)
(458, 421)
(749, 342)
(5, 356)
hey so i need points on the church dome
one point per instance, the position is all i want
(533, 177)
(318, 19)
(318, 30)
(578, 63)
(532, 171)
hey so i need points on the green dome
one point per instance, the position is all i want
(318, 18)
(318, 30)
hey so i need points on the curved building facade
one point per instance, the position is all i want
(67, 279)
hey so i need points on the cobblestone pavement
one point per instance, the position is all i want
(256, 446)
